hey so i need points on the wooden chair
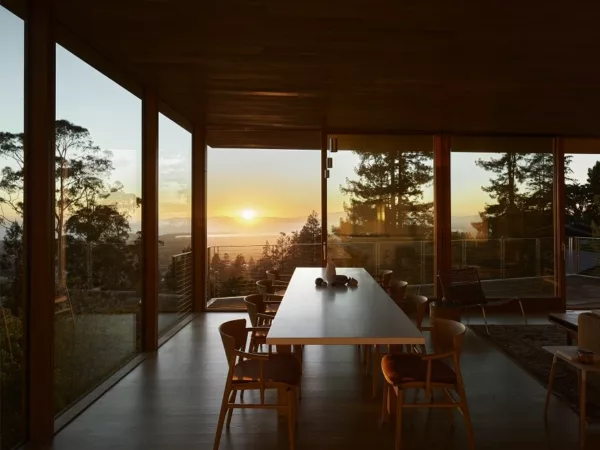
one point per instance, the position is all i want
(428, 371)
(252, 371)
(463, 287)
(259, 318)
(419, 306)
(275, 278)
(62, 303)
(385, 278)
(266, 289)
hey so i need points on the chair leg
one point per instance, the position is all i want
(484, 319)
(384, 402)
(291, 418)
(465, 412)
(222, 417)
(230, 412)
(522, 311)
(450, 410)
(399, 405)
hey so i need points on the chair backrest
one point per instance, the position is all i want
(385, 277)
(255, 305)
(588, 331)
(462, 286)
(273, 275)
(448, 336)
(234, 336)
(397, 290)
(420, 304)
(264, 287)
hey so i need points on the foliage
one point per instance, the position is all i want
(392, 182)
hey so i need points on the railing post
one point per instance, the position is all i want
(422, 262)
(464, 253)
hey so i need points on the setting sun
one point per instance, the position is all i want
(248, 214)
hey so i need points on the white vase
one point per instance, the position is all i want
(330, 271)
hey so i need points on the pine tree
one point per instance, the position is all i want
(393, 181)
(509, 172)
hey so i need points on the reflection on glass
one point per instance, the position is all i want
(12, 314)
(98, 288)
(582, 222)
(262, 215)
(174, 218)
(502, 213)
(380, 201)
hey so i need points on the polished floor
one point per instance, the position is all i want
(171, 401)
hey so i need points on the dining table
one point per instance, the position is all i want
(339, 315)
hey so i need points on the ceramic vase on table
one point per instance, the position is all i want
(330, 271)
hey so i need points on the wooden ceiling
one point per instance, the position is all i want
(271, 73)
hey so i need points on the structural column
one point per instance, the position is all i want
(199, 224)
(149, 221)
(441, 196)
(39, 216)
(324, 225)
(559, 222)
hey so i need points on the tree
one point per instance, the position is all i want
(503, 188)
(81, 170)
(306, 250)
(392, 182)
(11, 265)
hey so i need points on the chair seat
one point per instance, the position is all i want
(408, 368)
(282, 368)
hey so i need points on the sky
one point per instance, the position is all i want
(268, 183)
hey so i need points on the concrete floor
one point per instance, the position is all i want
(171, 401)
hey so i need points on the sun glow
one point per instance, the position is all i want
(248, 214)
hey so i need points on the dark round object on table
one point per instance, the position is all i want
(319, 281)
(340, 279)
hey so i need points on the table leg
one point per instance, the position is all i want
(582, 395)
(550, 384)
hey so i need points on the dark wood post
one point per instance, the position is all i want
(559, 222)
(442, 211)
(149, 221)
(324, 225)
(199, 226)
(40, 69)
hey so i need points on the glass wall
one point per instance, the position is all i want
(12, 314)
(502, 213)
(98, 245)
(263, 213)
(582, 222)
(380, 206)
(174, 223)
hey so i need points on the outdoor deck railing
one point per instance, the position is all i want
(496, 259)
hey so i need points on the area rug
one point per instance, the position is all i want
(523, 344)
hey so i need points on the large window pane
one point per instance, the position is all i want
(380, 200)
(12, 314)
(502, 213)
(98, 188)
(582, 222)
(263, 213)
(174, 223)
